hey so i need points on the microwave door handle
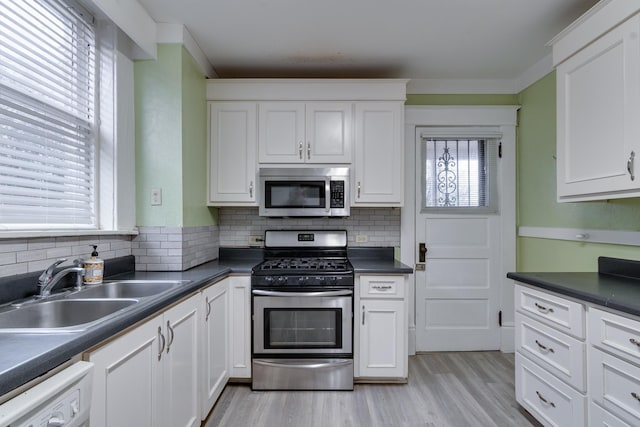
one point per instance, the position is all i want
(301, 294)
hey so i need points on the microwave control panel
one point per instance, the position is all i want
(337, 194)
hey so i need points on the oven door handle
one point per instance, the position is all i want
(304, 365)
(301, 294)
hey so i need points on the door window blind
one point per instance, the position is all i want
(47, 115)
(459, 174)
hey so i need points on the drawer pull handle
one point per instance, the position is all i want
(544, 347)
(635, 395)
(548, 402)
(634, 341)
(543, 309)
(381, 287)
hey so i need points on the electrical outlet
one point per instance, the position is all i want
(156, 196)
(362, 238)
(255, 240)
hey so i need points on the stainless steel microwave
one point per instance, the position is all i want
(295, 192)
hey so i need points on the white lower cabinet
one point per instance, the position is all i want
(149, 375)
(381, 335)
(239, 326)
(614, 365)
(215, 344)
(550, 400)
(601, 418)
(559, 376)
(551, 381)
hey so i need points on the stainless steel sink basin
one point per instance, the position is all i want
(128, 289)
(60, 315)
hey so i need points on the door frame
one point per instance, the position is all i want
(505, 119)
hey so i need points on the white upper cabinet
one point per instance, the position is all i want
(306, 122)
(297, 132)
(232, 153)
(598, 105)
(378, 166)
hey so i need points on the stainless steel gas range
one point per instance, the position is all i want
(302, 306)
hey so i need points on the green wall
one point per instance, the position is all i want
(461, 99)
(194, 145)
(170, 109)
(536, 193)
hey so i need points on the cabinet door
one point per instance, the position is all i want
(382, 345)
(328, 132)
(127, 380)
(378, 166)
(281, 134)
(215, 344)
(240, 327)
(181, 381)
(598, 95)
(232, 158)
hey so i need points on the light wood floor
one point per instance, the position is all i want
(445, 389)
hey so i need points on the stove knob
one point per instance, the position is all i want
(268, 279)
(333, 280)
(282, 279)
(302, 280)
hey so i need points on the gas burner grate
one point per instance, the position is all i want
(318, 264)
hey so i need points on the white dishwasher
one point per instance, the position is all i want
(63, 400)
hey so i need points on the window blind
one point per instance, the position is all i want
(459, 174)
(47, 115)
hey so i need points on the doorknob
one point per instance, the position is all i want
(422, 249)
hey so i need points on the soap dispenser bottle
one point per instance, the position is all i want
(94, 268)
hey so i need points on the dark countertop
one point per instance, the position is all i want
(616, 285)
(27, 356)
(376, 261)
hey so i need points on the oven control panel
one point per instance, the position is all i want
(291, 281)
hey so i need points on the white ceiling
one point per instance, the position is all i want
(415, 39)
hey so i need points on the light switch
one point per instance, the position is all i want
(156, 196)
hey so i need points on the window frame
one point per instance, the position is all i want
(114, 190)
(493, 140)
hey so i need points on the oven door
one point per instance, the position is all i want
(302, 323)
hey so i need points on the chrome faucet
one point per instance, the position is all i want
(47, 280)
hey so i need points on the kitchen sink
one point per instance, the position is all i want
(127, 289)
(60, 315)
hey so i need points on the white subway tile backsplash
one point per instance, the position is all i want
(19, 256)
(175, 248)
(7, 258)
(237, 224)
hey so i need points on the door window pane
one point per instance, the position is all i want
(459, 174)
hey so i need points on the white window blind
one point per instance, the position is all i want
(47, 115)
(459, 174)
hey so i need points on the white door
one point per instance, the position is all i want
(457, 293)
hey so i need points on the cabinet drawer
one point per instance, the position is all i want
(567, 316)
(562, 355)
(598, 417)
(550, 400)
(382, 286)
(615, 385)
(617, 334)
